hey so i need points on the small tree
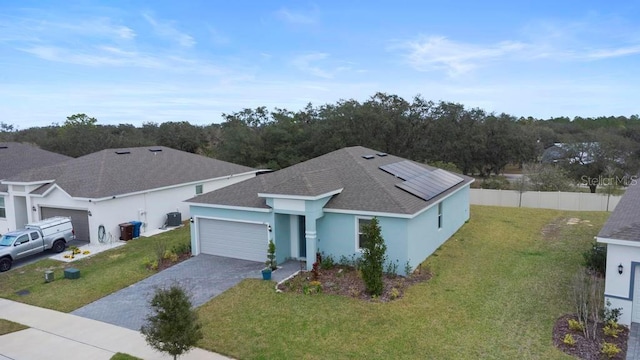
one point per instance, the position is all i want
(373, 258)
(173, 326)
(271, 262)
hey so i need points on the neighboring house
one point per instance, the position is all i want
(103, 189)
(16, 158)
(621, 233)
(321, 205)
(582, 153)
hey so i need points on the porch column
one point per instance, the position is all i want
(311, 238)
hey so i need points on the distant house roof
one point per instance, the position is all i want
(114, 172)
(18, 157)
(624, 222)
(361, 184)
(581, 152)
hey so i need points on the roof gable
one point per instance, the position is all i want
(114, 172)
(365, 187)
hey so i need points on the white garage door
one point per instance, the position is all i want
(233, 239)
(79, 220)
(635, 311)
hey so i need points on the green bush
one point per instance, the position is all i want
(569, 340)
(327, 262)
(575, 325)
(609, 350)
(595, 259)
(373, 258)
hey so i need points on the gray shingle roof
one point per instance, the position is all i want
(365, 186)
(18, 157)
(106, 173)
(624, 222)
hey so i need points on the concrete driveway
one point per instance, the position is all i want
(203, 276)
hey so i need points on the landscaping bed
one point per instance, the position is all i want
(588, 349)
(347, 281)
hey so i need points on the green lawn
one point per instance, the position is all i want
(498, 285)
(101, 274)
(7, 326)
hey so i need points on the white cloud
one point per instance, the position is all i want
(456, 58)
(298, 17)
(168, 30)
(307, 63)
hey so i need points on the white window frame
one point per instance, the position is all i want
(3, 209)
(358, 233)
(199, 187)
(439, 215)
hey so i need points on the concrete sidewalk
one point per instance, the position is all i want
(55, 335)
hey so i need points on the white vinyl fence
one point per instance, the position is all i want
(545, 200)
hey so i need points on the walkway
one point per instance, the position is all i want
(58, 336)
(633, 344)
(203, 276)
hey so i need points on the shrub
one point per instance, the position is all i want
(575, 325)
(392, 268)
(495, 183)
(182, 248)
(151, 264)
(408, 270)
(327, 262)
(373, 258)
(395, 293)
(271, 262)
(611, 314)
(609, 350)
(595, 259)
(569, 340)
(612, 329)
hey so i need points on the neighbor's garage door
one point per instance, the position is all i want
(79, 219)
(233, 239)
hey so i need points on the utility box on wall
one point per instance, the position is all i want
(174, 219)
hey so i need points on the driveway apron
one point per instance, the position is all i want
(202, 276)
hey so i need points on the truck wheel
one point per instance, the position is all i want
(58, 246)
(5, 264)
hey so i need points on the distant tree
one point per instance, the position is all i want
(173, 326)
(546, 177)
(373, 258)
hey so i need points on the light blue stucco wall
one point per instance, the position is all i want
(338, 234)
(282, 237)
(424, 237)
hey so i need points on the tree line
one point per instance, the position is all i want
(445, 133)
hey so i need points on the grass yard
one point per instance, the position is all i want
(101, 274)
(7, 327)
(498, 285)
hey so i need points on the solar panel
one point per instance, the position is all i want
(431, 184)
(404, 170)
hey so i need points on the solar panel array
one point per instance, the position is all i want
(418, 181)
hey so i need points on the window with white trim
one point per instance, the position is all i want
(440, 215)
(199, 189)
(360, 239)
(3, 212)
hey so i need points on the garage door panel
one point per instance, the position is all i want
(79, 219)
(233, 239)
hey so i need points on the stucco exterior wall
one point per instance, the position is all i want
(150, 208)
(424, 237)
(619, 287)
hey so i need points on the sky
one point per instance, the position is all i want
(136, 62)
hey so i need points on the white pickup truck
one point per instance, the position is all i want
(52, 233)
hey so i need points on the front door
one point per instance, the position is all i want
(302, 237)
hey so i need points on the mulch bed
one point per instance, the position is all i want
(346, 281)
(588, 349)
